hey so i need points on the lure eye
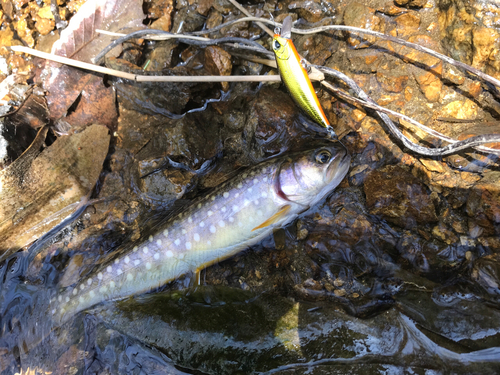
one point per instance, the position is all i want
(277, 44)
(323, 157)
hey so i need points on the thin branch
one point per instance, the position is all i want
(447, 150)
(245, 12)
(143, 78)
(415, 123)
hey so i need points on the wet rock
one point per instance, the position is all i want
(486, 272)
(161, 57)
(395, 194)
(407, 23)
(359, 15)
(411, 3)
(40, 185)
(483, 203)
(218, 62)
(311, 11)
(391, 83)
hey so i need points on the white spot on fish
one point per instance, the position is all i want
(165, 232)
(237, 195)
(67, 299)
(183, 231)
(135, 249)
(256, 202)
(109, 269)
(119, 271)
(145, 249)
(264, 179)
(181, 256)
(264, 170)
(222, 224)
(112, 284)
(59, 298)
(209, 243)
(99, 276)
(249, 189)
(74, 292)
(92, 294)
(212, 229)
(82, 287)
(264, 194)
(223, 209)
(196, 237)
(188, 245)
(169, 254)
(157, 256)
(150, 238)
(117, 261)
(240, 224)
(89, 282)
(158, 242)
(177, 242)
(80, 299)
(199, 205)
(245, 175)
(190, 219)
(103, 289)
(212, 197)
(148, 266)
(202, 224)
(137, 262)
(130, 277)
(235, 208)
(255, 181)
(127, 259)
(231, 219)
(225, 195)
(240, 185)
(246, 202)
(210, 213)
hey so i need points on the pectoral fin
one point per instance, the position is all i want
(275, 218)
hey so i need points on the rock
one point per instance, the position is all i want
(218, 62)
(311, 11)
(359, 15)
(392, 83)
(395, 194)
(483, 203)
(407, 23)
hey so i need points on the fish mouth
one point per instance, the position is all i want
(338, 167)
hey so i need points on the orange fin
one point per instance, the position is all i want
(273, 219)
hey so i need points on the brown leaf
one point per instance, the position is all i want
(81, 41)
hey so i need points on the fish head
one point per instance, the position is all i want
(281, 48)
(306, 178)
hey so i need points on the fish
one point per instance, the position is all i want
(235, 215)
(294, 75)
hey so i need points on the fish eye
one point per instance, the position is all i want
(277, 44)
(323, 157)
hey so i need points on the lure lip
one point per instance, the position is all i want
(286, 28)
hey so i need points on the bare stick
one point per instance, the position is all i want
(143, 78)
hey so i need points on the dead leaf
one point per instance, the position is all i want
(81, 41)
(40, 184)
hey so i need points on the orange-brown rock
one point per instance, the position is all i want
(359, 15)
(392, 83)
(218, 62)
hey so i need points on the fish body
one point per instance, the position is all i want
(237, 214)
(295, 76)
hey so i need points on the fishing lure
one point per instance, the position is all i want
(295, 76)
